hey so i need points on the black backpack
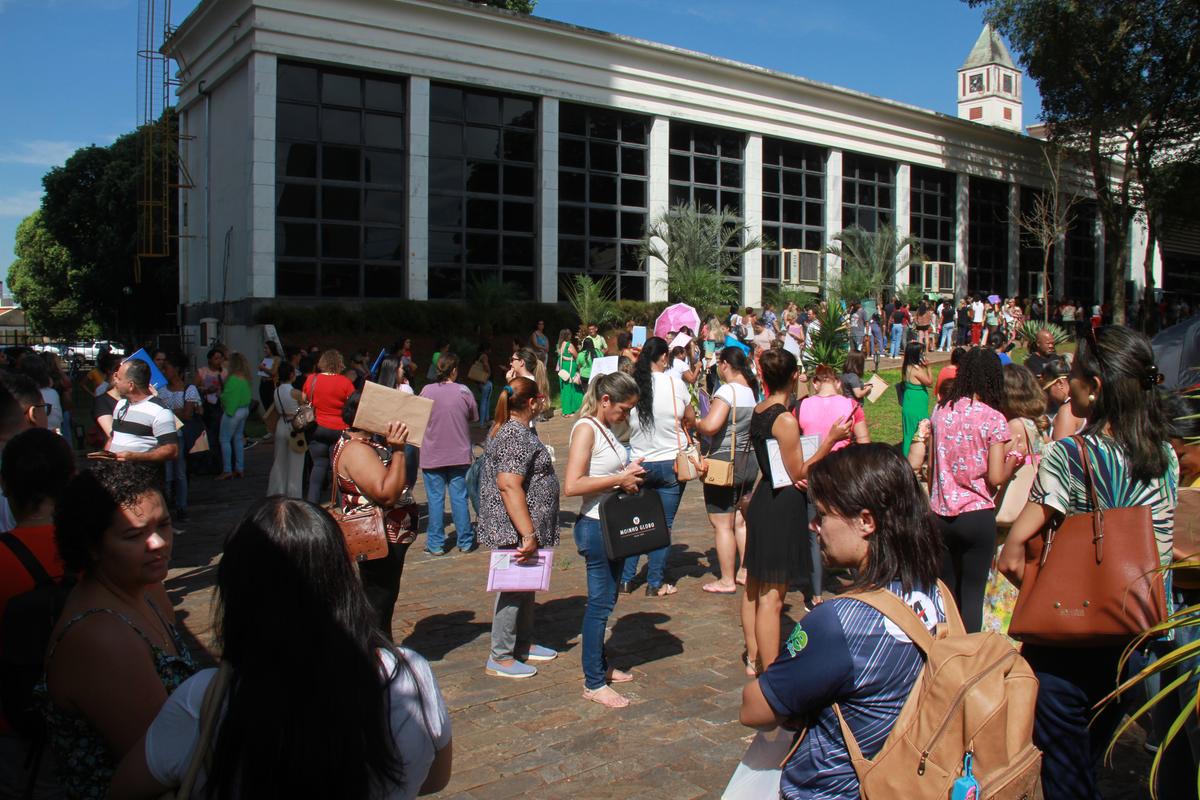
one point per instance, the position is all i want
(29, 619)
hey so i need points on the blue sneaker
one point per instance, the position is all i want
(513, 670)
(539, 653)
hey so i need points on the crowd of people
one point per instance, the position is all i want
(798, 496)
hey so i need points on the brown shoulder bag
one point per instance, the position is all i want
(1091, 578)
(363, 528)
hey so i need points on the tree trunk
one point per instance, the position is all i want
(1148, 271)
(1116, 253)
(1047, 257)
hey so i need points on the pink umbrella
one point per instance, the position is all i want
(675, 317)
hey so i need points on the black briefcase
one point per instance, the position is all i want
(633, 524)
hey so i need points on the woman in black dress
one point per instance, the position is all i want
(776, 521)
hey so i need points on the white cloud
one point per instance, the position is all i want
(38, 152)
(20, 204)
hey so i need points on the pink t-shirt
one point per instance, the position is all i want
(817, 415)
(962, 434)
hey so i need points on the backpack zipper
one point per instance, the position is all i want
(966, 687)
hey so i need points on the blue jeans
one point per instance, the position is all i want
(897, 338)
(947, 339)
(876, 340)
(177, 477)
(435, 489)
(660, 478)
(485, 403)
(233, 454)
(602, 576)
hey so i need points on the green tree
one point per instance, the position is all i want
(520, 6)
(871, 260)
(702, 248)
(592, 300)
(1120, 82)
(831, 341)
(41, 281)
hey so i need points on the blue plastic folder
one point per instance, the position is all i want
(639, 336)
(157, 379)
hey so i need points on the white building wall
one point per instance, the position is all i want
(658, 198)
(752, 200)
(417, 227)
(1014, 240)
(833, 211)
(547, 234)
(903, 213)
(962, 207)
(262, 74)
(230, 201)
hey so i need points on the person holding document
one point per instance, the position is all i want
(776, 550)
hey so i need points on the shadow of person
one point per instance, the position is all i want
(438, 634)
(558, 621)
(638, 640)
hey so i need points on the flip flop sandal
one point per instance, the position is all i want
(613, 700)
(708, 588)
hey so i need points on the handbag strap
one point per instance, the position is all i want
(214, 697)
(682, 439)
(608, 439)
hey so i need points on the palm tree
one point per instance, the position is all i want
(701, 248)
(871, 260)
(592, 300)
(490, 298)
(831, 341)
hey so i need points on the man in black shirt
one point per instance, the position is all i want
(1043, 352)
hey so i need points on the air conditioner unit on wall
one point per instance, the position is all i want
(801, 267)
(937, 277)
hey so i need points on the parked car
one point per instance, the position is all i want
(90, 351)
(58, 349)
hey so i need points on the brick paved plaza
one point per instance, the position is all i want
(678, 739)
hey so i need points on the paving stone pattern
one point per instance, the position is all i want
(679, 738)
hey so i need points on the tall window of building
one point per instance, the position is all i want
(868, 192)
(482, 189)
(706, 169)
(932, 216)
(602, 196)
(1080, 254)
(340, 183)
(1031, 250)
(987, 237)
(793, 203)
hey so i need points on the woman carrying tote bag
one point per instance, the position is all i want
(1126, 443)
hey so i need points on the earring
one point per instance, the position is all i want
(1091, 398)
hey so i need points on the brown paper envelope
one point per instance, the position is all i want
(379, 405)
(878, 387)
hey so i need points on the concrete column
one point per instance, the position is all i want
(962, 207)
(547, 279)
(263, 75)
(903, 212)
(833, 211)
(1059, 268)
(417, 228)
(752, 204)
(659, 190)
(1014, 240)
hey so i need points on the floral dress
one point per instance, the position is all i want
(85, 764)
(516, 449)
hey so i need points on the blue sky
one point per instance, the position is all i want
(69, 66)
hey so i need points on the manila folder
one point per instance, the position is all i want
(379, 405)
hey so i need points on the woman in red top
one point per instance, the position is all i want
(327, 390)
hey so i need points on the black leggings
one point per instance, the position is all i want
(970, 547)
(381, 583)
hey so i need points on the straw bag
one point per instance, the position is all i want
(720, 473)
(1083, 588)
(364, 528)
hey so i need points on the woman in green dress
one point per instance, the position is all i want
(914, 405)
(570, 393)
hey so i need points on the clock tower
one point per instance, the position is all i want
(989, 84)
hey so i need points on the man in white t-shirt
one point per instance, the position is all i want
(977, 309)
(143, 427)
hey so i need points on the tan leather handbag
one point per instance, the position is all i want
(686, 460)
(1091, 578)
(363, 528)
(720, 473)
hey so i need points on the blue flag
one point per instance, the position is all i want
(378, 361)
(157, 379)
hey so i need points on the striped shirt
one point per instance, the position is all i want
(142, 426)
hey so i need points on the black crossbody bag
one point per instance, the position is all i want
(631, 524)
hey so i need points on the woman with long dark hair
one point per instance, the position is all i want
(658, 430)
(970, 458)
(1114, 388)
(914, 402)
(726, 437)
(776, 552)
(873, 520)
(318, 703)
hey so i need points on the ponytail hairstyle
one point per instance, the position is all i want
(654, 349)
(735, 357)
(1128, 399)
(778, 367)
(390, 373)
(516, 395)
(446, 364)
(618, 386)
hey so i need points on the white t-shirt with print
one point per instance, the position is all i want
(420, 726)
(661, 440)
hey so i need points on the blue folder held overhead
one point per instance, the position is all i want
(157, 379)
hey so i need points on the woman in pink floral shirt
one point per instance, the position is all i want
(969, 460)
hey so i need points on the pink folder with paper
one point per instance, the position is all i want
(506, 573)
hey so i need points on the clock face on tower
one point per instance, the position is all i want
(975, 83)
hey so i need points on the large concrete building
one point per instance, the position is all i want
(362, 149)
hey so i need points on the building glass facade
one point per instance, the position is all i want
(1080, 255)
(1030, 257)
(868, 192)
(483, 155)
(987, 237)
(603, 198)
(339, 183)
(932, 218)
(793, 202)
